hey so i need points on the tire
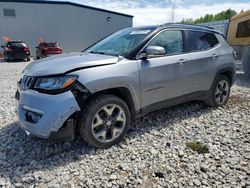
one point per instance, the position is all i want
(222, 85)
(246, 62)
(6, 59)
(28, 58)
(37, 57)
(97, 127)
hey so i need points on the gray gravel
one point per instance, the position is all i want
(153, 154)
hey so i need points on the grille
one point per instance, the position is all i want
(26, 82)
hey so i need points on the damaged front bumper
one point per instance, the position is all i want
(43, 114)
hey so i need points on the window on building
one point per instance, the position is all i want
(243, 29)
(9, 12)
(170, 40)
(197, 41)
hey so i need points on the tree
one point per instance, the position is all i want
(223, 15)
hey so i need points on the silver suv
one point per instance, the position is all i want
(127, 74)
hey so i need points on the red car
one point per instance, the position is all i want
(46, 49)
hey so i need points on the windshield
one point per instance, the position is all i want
(121, 42)
(55, 45)
(17, 45)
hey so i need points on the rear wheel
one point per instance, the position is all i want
(28, 58)
(220, 91)
(104, 121)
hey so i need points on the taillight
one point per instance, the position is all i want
(26, 49)
(8, 49)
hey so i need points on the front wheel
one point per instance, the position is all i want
(6, 59)
(104, 121)
(220, 91)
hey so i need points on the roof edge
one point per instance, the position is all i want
(240, 15)
(66, 3)
(190, 26)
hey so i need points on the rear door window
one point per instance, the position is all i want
(198, 41)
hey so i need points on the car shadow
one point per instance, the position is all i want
(13, 61)
(242, 80)
(26, 152)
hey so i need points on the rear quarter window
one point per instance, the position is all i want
(199, 41)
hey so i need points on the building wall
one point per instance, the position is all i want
(75, 28)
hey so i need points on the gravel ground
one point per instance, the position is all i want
(153, 154)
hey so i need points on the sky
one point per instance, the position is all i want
(151, 12)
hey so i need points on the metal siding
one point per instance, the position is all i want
(75, 28)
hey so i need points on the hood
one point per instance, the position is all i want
(60, 64)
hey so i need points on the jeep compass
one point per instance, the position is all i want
(126, 75)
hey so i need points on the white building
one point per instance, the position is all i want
(74, 26)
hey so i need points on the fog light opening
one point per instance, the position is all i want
(32, 117)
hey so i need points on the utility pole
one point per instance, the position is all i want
(172, 14)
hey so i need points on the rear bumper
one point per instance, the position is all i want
(42, 114)
(49, 53)
(17, 55)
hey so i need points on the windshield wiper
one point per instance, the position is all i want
(102, 53)
(93, 52)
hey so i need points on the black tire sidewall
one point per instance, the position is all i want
(246, 63)
(216, 82)
(88, 114)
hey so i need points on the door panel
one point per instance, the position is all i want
(159, 79)
(195, 74)
(159, 75)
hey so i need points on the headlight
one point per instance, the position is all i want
(55, 83)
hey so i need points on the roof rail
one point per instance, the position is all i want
(177, 24)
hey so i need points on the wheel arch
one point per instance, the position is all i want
(121, 92)
(229, 72)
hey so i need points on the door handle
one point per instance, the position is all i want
(214, 56)
(182, 61)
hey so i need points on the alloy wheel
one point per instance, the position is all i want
(222, 92)
(108, 123)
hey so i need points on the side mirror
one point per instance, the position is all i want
(37, 47)
(2, 46)
(153, 51)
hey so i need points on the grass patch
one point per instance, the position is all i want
(198, 147)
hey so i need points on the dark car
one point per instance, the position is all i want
(46, 49)
(16, 50)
